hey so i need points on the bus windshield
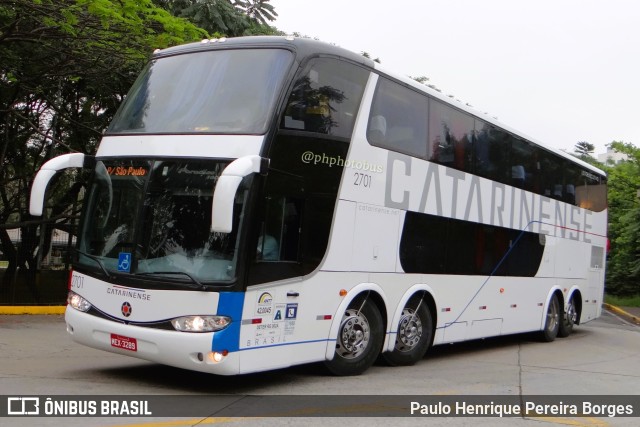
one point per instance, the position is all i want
(219, 91)
(153, 218)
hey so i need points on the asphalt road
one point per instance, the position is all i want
(599, 358)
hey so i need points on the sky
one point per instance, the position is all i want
(558, 71)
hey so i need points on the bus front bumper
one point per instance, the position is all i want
(179, 349)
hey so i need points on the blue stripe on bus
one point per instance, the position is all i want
(282, 344)
(287, 344)
(230, 304)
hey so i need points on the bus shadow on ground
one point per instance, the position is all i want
(168, 380)
(495, 343)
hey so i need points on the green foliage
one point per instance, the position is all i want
(584, 150)
(230, 18)
(66, 65)
(623, 270)
(630, 301)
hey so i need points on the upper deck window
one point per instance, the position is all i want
(326, 97)
(220, 91)
(398, 119)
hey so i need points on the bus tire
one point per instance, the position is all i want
(552, 323)
(359, 339)
(568, 319)
(414, 335)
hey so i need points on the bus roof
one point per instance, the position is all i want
(300, 46)
(303, 47)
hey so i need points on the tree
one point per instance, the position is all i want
(230, 18)
(368, 56)
(584, 149)
(623, 270)
(421, 79)
(66, 65)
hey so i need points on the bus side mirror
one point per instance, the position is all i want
(48, 170)
(227, 186)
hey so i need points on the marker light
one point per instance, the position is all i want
(217, 356)
(200, 323)
(77, 302)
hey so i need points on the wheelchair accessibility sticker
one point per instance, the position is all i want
(124, 262)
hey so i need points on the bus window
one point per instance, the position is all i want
(230, 91)
(326, 97)
(492, 147)
(279, 237)
(524, 165)
(398, 119)
(450, 136)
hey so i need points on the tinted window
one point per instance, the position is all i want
(398, 119)
(458, 140)
(437, 245)
(450, 136)
(230, 91)
(326, 98)
(524, 165)
(279, 236)
(295, 206)
(492, 148)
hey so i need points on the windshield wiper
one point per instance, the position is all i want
(96, 259)
(198, 285)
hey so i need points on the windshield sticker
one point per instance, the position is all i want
(126, 171)
(292, 311)
(206, 173)
(124, 262)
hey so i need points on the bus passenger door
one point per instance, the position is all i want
(277, 231)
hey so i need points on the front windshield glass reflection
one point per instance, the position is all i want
(156, 216)
(220, 91)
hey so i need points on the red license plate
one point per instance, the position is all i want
(126, 343)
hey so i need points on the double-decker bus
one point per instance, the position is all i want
(263, 202)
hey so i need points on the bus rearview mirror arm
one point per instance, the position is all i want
(48, 170)
(227, 186)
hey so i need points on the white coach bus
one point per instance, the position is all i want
(264, 202)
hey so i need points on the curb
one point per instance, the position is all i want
(33, 309)
(621, 312)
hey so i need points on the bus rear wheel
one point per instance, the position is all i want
(568, 319)
(359, 339)
(415, 331)
(552, 323)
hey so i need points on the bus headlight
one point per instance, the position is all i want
(77, 302)
(200, 323)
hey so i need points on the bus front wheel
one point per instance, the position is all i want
(415, 331)
(359, 339)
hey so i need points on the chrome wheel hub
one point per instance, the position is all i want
(354, 335)
(409, 330)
